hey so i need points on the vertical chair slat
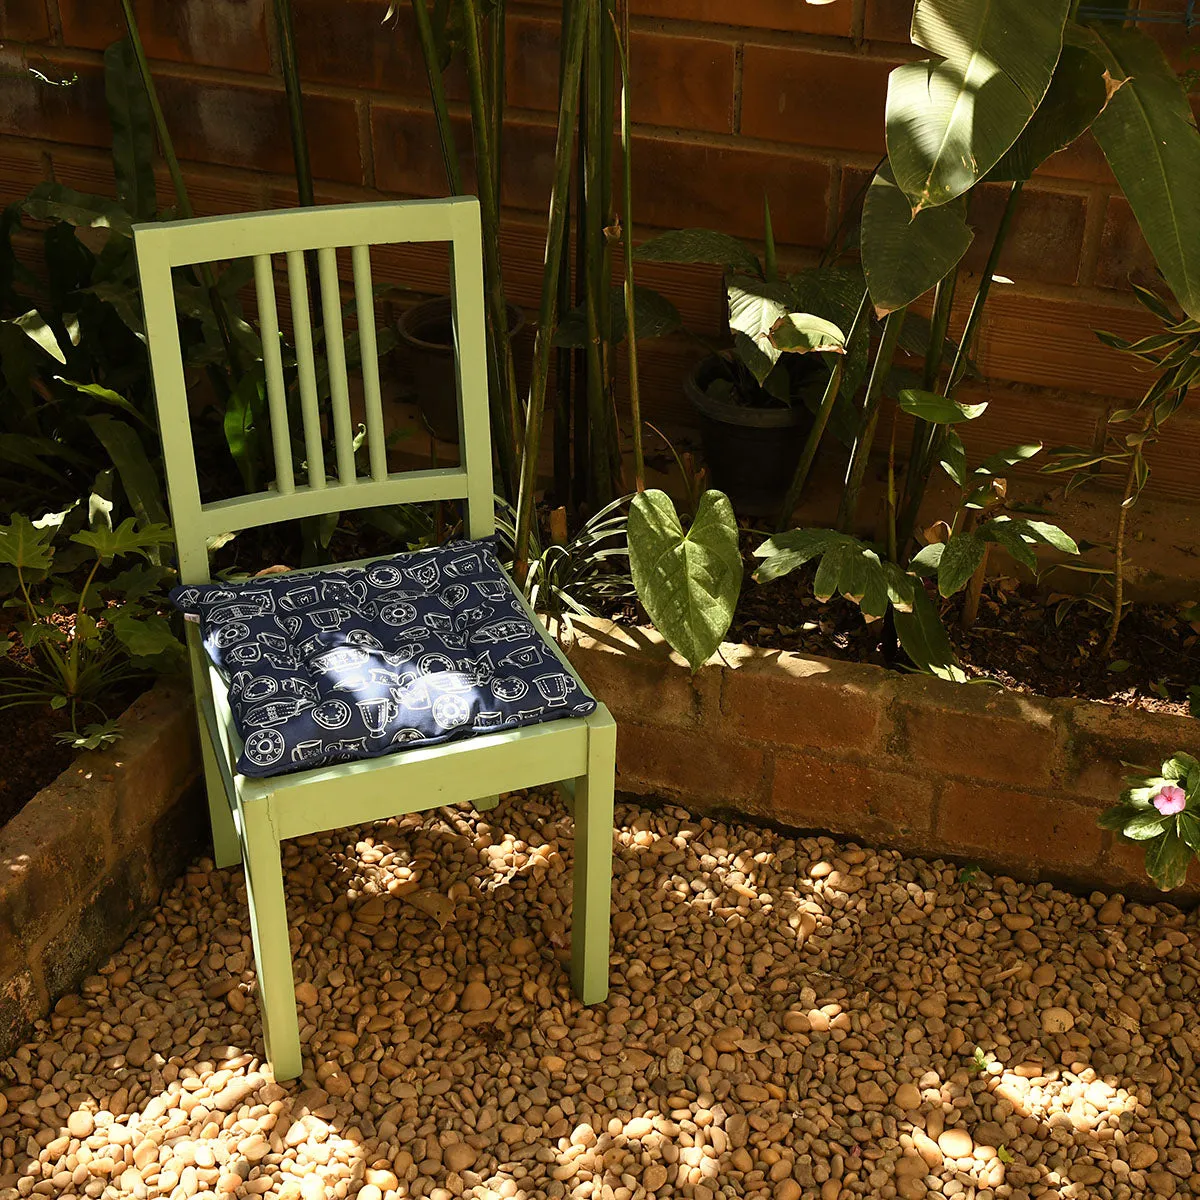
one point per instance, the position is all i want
(372, 398)
(335, 355)
(306, 368)
(268, 322)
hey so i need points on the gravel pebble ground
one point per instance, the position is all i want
(790, 1019)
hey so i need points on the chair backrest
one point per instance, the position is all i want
(162, 246)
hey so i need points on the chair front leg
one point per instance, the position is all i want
(272, 949)
(593, 862)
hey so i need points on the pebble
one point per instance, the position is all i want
(788, 1019)
(1057, 1020)
(476, 997)
(956, 1143)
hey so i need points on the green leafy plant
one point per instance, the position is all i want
(1049, 78)
(1174, 356)
(83, 630)
(583, 573)
(1163, 812)
(586, 320)
(774, 320)
(954, 558)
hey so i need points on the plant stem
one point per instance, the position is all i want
(962, 357)
(568, 107)
(970, 609)
(1128, 499)
(639, 463)
(857, 467)
(496, 77)
(497, 307)
(295, 101)
(891, 490)
(920, 471)
(437, 93)
(182, 199)
(595, 281)
(160, 122)
(820, 421)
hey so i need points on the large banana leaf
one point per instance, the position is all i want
(950, 119)
(1150, 139)
(1077, 95)
(905, 255)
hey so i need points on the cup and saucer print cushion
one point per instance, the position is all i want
(349, 663)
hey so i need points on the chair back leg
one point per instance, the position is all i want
(592, 899)
(227, 850)
(272, 947)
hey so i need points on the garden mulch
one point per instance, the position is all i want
(789, 1019)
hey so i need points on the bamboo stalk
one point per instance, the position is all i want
(564, 357)
(820, 421)
(924, 432)
(635, 403)
(437, 93)
(497, 307)
(568, 107)
(920, 476)
(595, 280)
(497, 75)
(182, 199)
(285, 31)
(857, 468)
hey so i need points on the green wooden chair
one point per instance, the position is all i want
(250, 817)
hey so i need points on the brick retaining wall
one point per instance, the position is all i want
(731, 101)
(972, 772)
(85, 859)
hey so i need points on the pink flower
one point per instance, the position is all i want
(1169, 800)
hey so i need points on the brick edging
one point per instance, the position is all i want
(84, 860)
(968, 771)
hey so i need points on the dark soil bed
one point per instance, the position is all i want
(32, 758)
(1023, 639)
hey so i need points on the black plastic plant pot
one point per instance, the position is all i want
(428, 338)
(751, 451)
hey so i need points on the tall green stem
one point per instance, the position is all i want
(497, 307)
(857, 469)
(568, 108)
(182, 199)
(920, 471)
(635, 403)
(295, 101)
(821, 420)
(497, 73)
(596, 282)
(437, 93)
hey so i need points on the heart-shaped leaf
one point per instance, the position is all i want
(960, 558)
(688, 582)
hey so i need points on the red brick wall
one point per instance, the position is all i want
(983, 775)
(788, 102)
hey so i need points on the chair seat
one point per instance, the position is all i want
(347, 663)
